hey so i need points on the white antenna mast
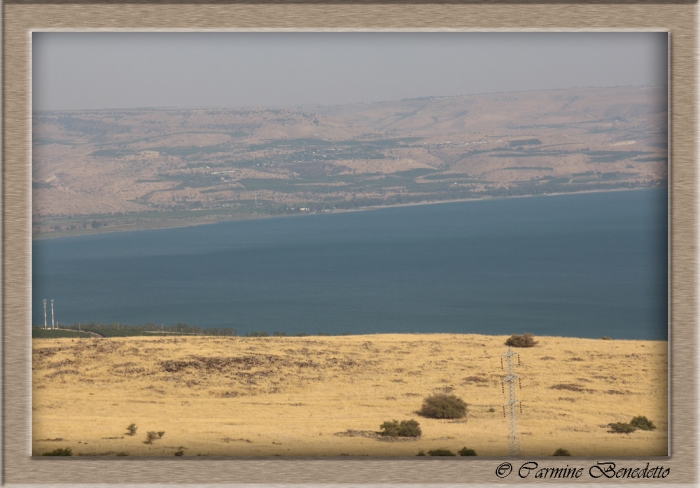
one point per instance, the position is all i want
(52, 322)
(44, 313)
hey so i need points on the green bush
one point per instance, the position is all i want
(443, 406)
(524, 340)
(466, 452)
(59, 452)
(621, 428)
(421, 453)
(642, 423)
(160, 434)
(441, 452)
(180, 451)
(407, 428)
(150, 437)
(131, 429)
(561, 452)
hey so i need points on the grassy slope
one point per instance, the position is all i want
(289, 396)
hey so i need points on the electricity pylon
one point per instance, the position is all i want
(513, 440)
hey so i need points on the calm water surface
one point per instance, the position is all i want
(583, 265)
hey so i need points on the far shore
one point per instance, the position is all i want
(195, 221)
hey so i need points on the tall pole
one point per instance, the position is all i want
(44, 313)
(510, 405)
(52, 322)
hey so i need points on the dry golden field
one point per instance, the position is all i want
(291, 396)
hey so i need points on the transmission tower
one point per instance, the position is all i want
(510, 405)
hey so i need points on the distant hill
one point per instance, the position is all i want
(123, 169)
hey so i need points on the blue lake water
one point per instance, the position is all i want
(582, 265)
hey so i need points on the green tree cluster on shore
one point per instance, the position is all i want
(123, 330)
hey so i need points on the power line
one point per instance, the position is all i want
(510, 405)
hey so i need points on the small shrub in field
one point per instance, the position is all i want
(642, 423)
(123, 453)
(421, 453)
(180, 451)
(150, 437)
(279, 334)
(524, 340)
(492, 409)
(606, 338)
(59, 452)
(621, 428)
(441, 452)
(407, 428)
(160, 434)
(561, 452)
(131, 430)
(466, 452)
(443, 406)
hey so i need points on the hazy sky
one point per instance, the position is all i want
(127, 70)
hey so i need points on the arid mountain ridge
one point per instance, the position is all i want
(124, 169)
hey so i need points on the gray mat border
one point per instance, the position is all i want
(20, 18)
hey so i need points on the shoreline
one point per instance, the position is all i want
(169, 225)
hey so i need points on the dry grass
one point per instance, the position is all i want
(291, 395)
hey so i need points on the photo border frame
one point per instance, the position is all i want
(20, 18)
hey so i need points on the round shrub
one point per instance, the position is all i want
(642, 423)
(561, 452)
(523, 340)
(621, 428)
(421, 453)
(443, 406)
(406, 428)
(441, 452)
(466, 452)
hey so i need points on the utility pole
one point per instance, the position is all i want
(44, 313)
(513, 440)
(52, 322)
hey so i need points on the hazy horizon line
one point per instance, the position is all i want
(337, 104)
